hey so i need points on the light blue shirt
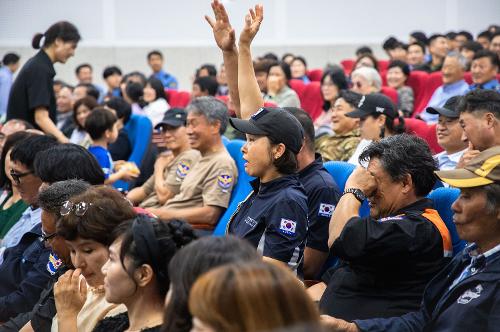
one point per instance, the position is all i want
(168, 81)
(29, 219)
(441, 95)
(490, 85)
(6, 79)
(448, 161)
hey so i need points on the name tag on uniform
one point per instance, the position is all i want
(250, 222)
(287, 226)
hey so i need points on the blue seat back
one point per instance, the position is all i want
(139, 129)
(443, 198)
(240, 190)
(340, 171)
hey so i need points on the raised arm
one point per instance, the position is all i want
(250, 96)
(225, 38)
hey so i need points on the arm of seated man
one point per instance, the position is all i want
(207, 214)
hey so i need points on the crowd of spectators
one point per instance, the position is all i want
(113, 199)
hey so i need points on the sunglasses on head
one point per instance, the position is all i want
(79, 208)
(17, 176)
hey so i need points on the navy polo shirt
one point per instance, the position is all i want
(33, 88)
(323, 195)
(273, 218)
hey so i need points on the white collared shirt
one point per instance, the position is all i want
(448, 161)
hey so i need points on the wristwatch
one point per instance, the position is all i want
(358, 193)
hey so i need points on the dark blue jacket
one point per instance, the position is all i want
(273, 218)
(322, 197)
(23, 274)
(472, 305)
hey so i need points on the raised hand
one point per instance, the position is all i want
(252, 24)
(223, 31)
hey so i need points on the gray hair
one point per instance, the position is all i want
(371, 75)
(51, 198)
(212, 108)
(460, 58)
(492, 197)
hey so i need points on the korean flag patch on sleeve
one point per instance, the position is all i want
(326, 210)
(287, 226)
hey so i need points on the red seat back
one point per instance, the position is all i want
(312, 100)
(468, 77)
(391, 93)
(315, 75)
(382, 65)
(298, 86)
(423, 130)
(348, 65)
(418, 82)
(434, 81)
(177, 98)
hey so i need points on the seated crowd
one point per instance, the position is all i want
(114, 199)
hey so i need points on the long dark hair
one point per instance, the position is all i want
(63, 30)
(192, 261)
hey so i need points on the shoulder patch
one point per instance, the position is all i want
(183, 168)
(225, 181)
(470, 294)
(53, 264)
(326, 210)
(287, 226)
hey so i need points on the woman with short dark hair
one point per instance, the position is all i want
(154, 96)
(87, 224)
(397, 77)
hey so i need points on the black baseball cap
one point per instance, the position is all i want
(449, 109)
(273, 122)
(374, 103)
(175, 117)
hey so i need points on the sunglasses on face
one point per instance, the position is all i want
(78, 208)
(17, 176)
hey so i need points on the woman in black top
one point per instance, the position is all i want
(136, 271)
(274, 216)
(32, 95)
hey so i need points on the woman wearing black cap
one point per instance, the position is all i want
(274, 216)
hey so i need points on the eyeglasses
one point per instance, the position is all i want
(79, 208)
(17, 176)
(46, 237)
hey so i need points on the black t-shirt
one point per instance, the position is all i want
(385, 264)
(33, 88)
(119, 323)
(322, 197)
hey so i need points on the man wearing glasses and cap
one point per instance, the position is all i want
(170, 169)
(465, 295)
(449, 134)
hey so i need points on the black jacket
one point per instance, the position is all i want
(472, 305)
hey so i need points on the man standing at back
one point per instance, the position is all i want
(155, 61)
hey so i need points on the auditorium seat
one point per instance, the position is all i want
(443, 198)
(139, 129)
(315, 75)
(423, 130)
(298, 86)
(382, 65)
(312, 100)
(468, 77)
(177, 98)
(417, 80)
(348, 65)
(240, 190)
(391, 93)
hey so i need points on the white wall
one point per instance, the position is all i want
(122, 31)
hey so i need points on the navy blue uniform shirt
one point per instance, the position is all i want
(274, 219)
(322, 197)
